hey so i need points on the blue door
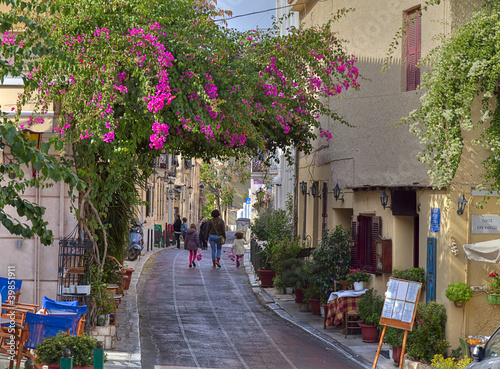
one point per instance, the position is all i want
(430, 289)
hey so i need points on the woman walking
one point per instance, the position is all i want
(192, 243)
(177, 230)
(215, 229)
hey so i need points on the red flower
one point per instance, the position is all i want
(493, 275)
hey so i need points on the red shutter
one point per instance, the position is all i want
(414, 39)
(376, 233)
(325, 206)
(354, 242)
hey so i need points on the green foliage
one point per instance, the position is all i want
(494, 286)
(272, 224)
(439, 362)
(222, 176)
(459, 292)
(283, 250)
(428, 340)
(81, 347)
(291, 273)
(463, 70)
(370, 307)
(394, 337)
(102, 297)
(411, 274)
(330, 260)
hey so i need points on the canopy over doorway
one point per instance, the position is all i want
(487, 251)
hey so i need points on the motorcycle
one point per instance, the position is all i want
(136, 240)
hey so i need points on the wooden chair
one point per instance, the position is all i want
(69, 309)
(351, 321)
(342, 286)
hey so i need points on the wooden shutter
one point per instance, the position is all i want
(325, 206)
(354, 242)
(414, 39)
(376, 232)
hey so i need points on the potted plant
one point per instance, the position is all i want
(330, 260)
(357, 277)
(266, 273)
(313, 298)
(459, 293)
(394, 337)
(49, 352)
(288, 275)
(494, 289)
(369, 308)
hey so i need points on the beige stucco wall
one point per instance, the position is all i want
(375, 153)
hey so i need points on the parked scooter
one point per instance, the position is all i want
(136, 240)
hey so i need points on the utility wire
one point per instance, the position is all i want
(264, 11)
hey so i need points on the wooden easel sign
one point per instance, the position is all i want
(400, 309)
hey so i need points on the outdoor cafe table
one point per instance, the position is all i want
(340, 302)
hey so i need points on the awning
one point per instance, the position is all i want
(488, 251)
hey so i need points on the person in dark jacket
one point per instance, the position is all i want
(177, 230)
(215, 229)
(192, 243)
(203, 232)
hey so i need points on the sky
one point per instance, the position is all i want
(262, 20)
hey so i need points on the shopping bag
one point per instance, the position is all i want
(198, 257)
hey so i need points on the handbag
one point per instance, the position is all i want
(198, 257)
(222, 239)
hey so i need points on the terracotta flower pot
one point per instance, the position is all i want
(369, 333)
(315, 305)
(396, 353)
(266, 277)
(299, 295)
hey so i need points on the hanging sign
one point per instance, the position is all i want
(435, 219)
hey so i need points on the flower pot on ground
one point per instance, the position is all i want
(81, 347)
(299, 295)
(370, 333)
(315, 305)
(394, 337)
(459, 293)
(266, 277)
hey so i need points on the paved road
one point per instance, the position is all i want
(209, 318)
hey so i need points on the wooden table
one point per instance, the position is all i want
(341, 302)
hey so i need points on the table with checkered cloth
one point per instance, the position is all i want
(337, 307)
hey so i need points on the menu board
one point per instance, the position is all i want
(400, 304)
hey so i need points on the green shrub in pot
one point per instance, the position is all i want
(459, 292)
(370, 307)
(82, 349)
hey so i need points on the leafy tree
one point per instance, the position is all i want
(222, 177)
(132, 78)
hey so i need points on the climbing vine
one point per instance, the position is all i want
(464, 69)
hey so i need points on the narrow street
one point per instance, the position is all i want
(209, 318)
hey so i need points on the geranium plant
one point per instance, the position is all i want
(357, 275)
(494, 283)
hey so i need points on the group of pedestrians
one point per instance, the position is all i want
(212, 231)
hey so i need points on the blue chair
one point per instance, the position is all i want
(4, 288)
(41, 327)
(68, 309)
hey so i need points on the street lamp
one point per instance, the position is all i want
(336, 193)
(384, 198)
(190, 190)
(314, 191)
(303, 188)
(461, 204)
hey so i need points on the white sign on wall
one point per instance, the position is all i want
(485, 224)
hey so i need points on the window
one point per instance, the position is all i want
(365, 231)
(413, 48)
